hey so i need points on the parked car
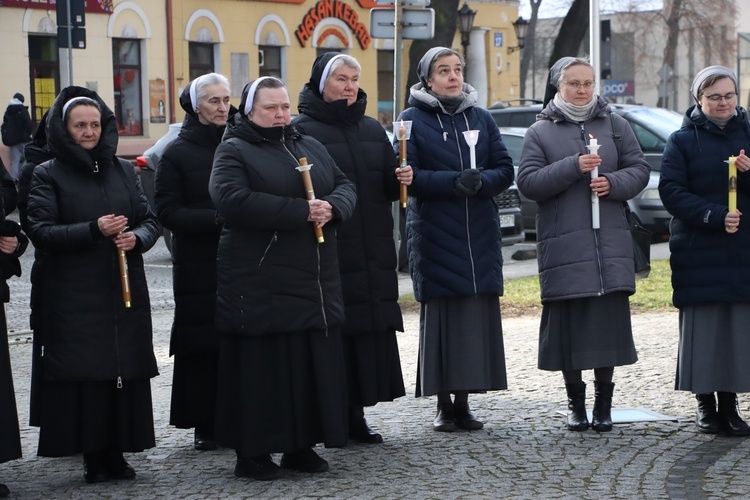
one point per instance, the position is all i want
(147, 164)
(652, 127)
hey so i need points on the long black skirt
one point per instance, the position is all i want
(10, 439)
(194, 390)
(88, 417)
(373, 367)
(586, 333)
(282, 392)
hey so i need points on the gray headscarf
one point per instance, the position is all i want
(554, 77)
(707, 73)
(423, 68)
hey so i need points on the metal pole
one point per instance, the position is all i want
(594, 38)
(70, 43)
(397, 41)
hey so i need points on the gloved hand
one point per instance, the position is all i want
(469, 182)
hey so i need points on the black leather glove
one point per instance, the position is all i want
(469, 182)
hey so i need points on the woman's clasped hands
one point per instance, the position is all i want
(115, 225)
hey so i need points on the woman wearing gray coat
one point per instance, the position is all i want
(586, 274)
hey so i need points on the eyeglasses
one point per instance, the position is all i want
(578, 85)
(719, 98)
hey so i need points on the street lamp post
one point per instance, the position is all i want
(465, 25)
(520, 26)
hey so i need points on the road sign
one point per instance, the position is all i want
(416, 24)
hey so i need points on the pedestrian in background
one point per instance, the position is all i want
(185, 208)
(16, 131)
(708, 246)
(454, 239)
(85, 206)
(12, 246)
(332, 110)
(282, 386)
(586, 274)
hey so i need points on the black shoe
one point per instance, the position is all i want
(577, 418)
(94, 469)
(464, 418)
(259, 468)
(117, 467)
(305, 460)
(601, 419)
(4, 491)
(204, 441)
(729, 418)
(360, 431)
(444, 420)
(706, 418)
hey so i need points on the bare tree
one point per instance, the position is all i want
(527, 55)
(572, 31)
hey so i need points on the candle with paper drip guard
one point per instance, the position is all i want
(304, 169)
(732, 202)
(403, 132)
(471, 137)
(593, 148)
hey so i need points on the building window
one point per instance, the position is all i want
(269, 61)
(201, 59)
(44, 69)
(385, 87)
(126, 70)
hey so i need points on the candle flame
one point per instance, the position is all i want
(591, 136)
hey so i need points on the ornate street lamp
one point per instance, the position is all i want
(520, 26)
(465, 25)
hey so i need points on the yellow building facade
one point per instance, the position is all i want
(139, 54)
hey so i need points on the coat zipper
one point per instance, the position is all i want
(596, 233)
(466, 211)
(274, 238)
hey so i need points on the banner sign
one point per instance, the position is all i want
(618, 88)
(93, 6)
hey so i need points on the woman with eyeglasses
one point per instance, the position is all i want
(586, 273)
(708, 245)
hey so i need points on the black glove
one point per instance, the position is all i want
(469, 182)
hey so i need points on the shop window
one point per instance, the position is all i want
(269, 61)
(126, 70)
(385, 87)
(201, 59)
(44, 74)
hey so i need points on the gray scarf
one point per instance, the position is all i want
(573, 112)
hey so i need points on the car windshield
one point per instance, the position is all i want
(514, 144)
(659, 121)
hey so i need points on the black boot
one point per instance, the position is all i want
(601, 420)
(204, 438)
(577, 418)
(94, 468)
(358, 428)
(464, 418)
(729, 419)
(117, 467)
(304, 460)
(260, 468)
(444, 420)
(706, 418)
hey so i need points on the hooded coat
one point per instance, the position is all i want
(574, 260)
(367, 256)
(89, 335)
(184, 207)
(273, 275)
(17, 126)
(454, 242)
(708, 264)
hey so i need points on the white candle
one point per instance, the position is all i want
(593, 143)
(471, 137)
(593, 148)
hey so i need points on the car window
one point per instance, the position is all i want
(514, 144)
(649, 142)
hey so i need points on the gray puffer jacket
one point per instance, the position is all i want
(574, 260)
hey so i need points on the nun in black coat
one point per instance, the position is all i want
(12, 245)
(185, 208)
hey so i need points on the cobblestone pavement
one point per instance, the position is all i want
(523, 451)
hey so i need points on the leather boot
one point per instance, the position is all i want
(729, 419)
(706, 418)
(204, 438)
(358, 428)
(94, 468)
(464, 418)
(444, 420)
(601, 420)
(116, 465)
(577, 418)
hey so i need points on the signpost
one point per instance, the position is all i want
(71, 34)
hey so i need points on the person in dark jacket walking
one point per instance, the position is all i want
(12, 245)
(454, 239)
(279, 309)
(332, 109)
(185, 208)
(708, 246)
(17, 129)
(85, 206)
(586, 275)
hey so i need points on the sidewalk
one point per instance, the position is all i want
(523, 451)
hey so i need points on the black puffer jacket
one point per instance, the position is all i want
(273, 275)
(367, 255)
(185, 208)
(88, 332)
